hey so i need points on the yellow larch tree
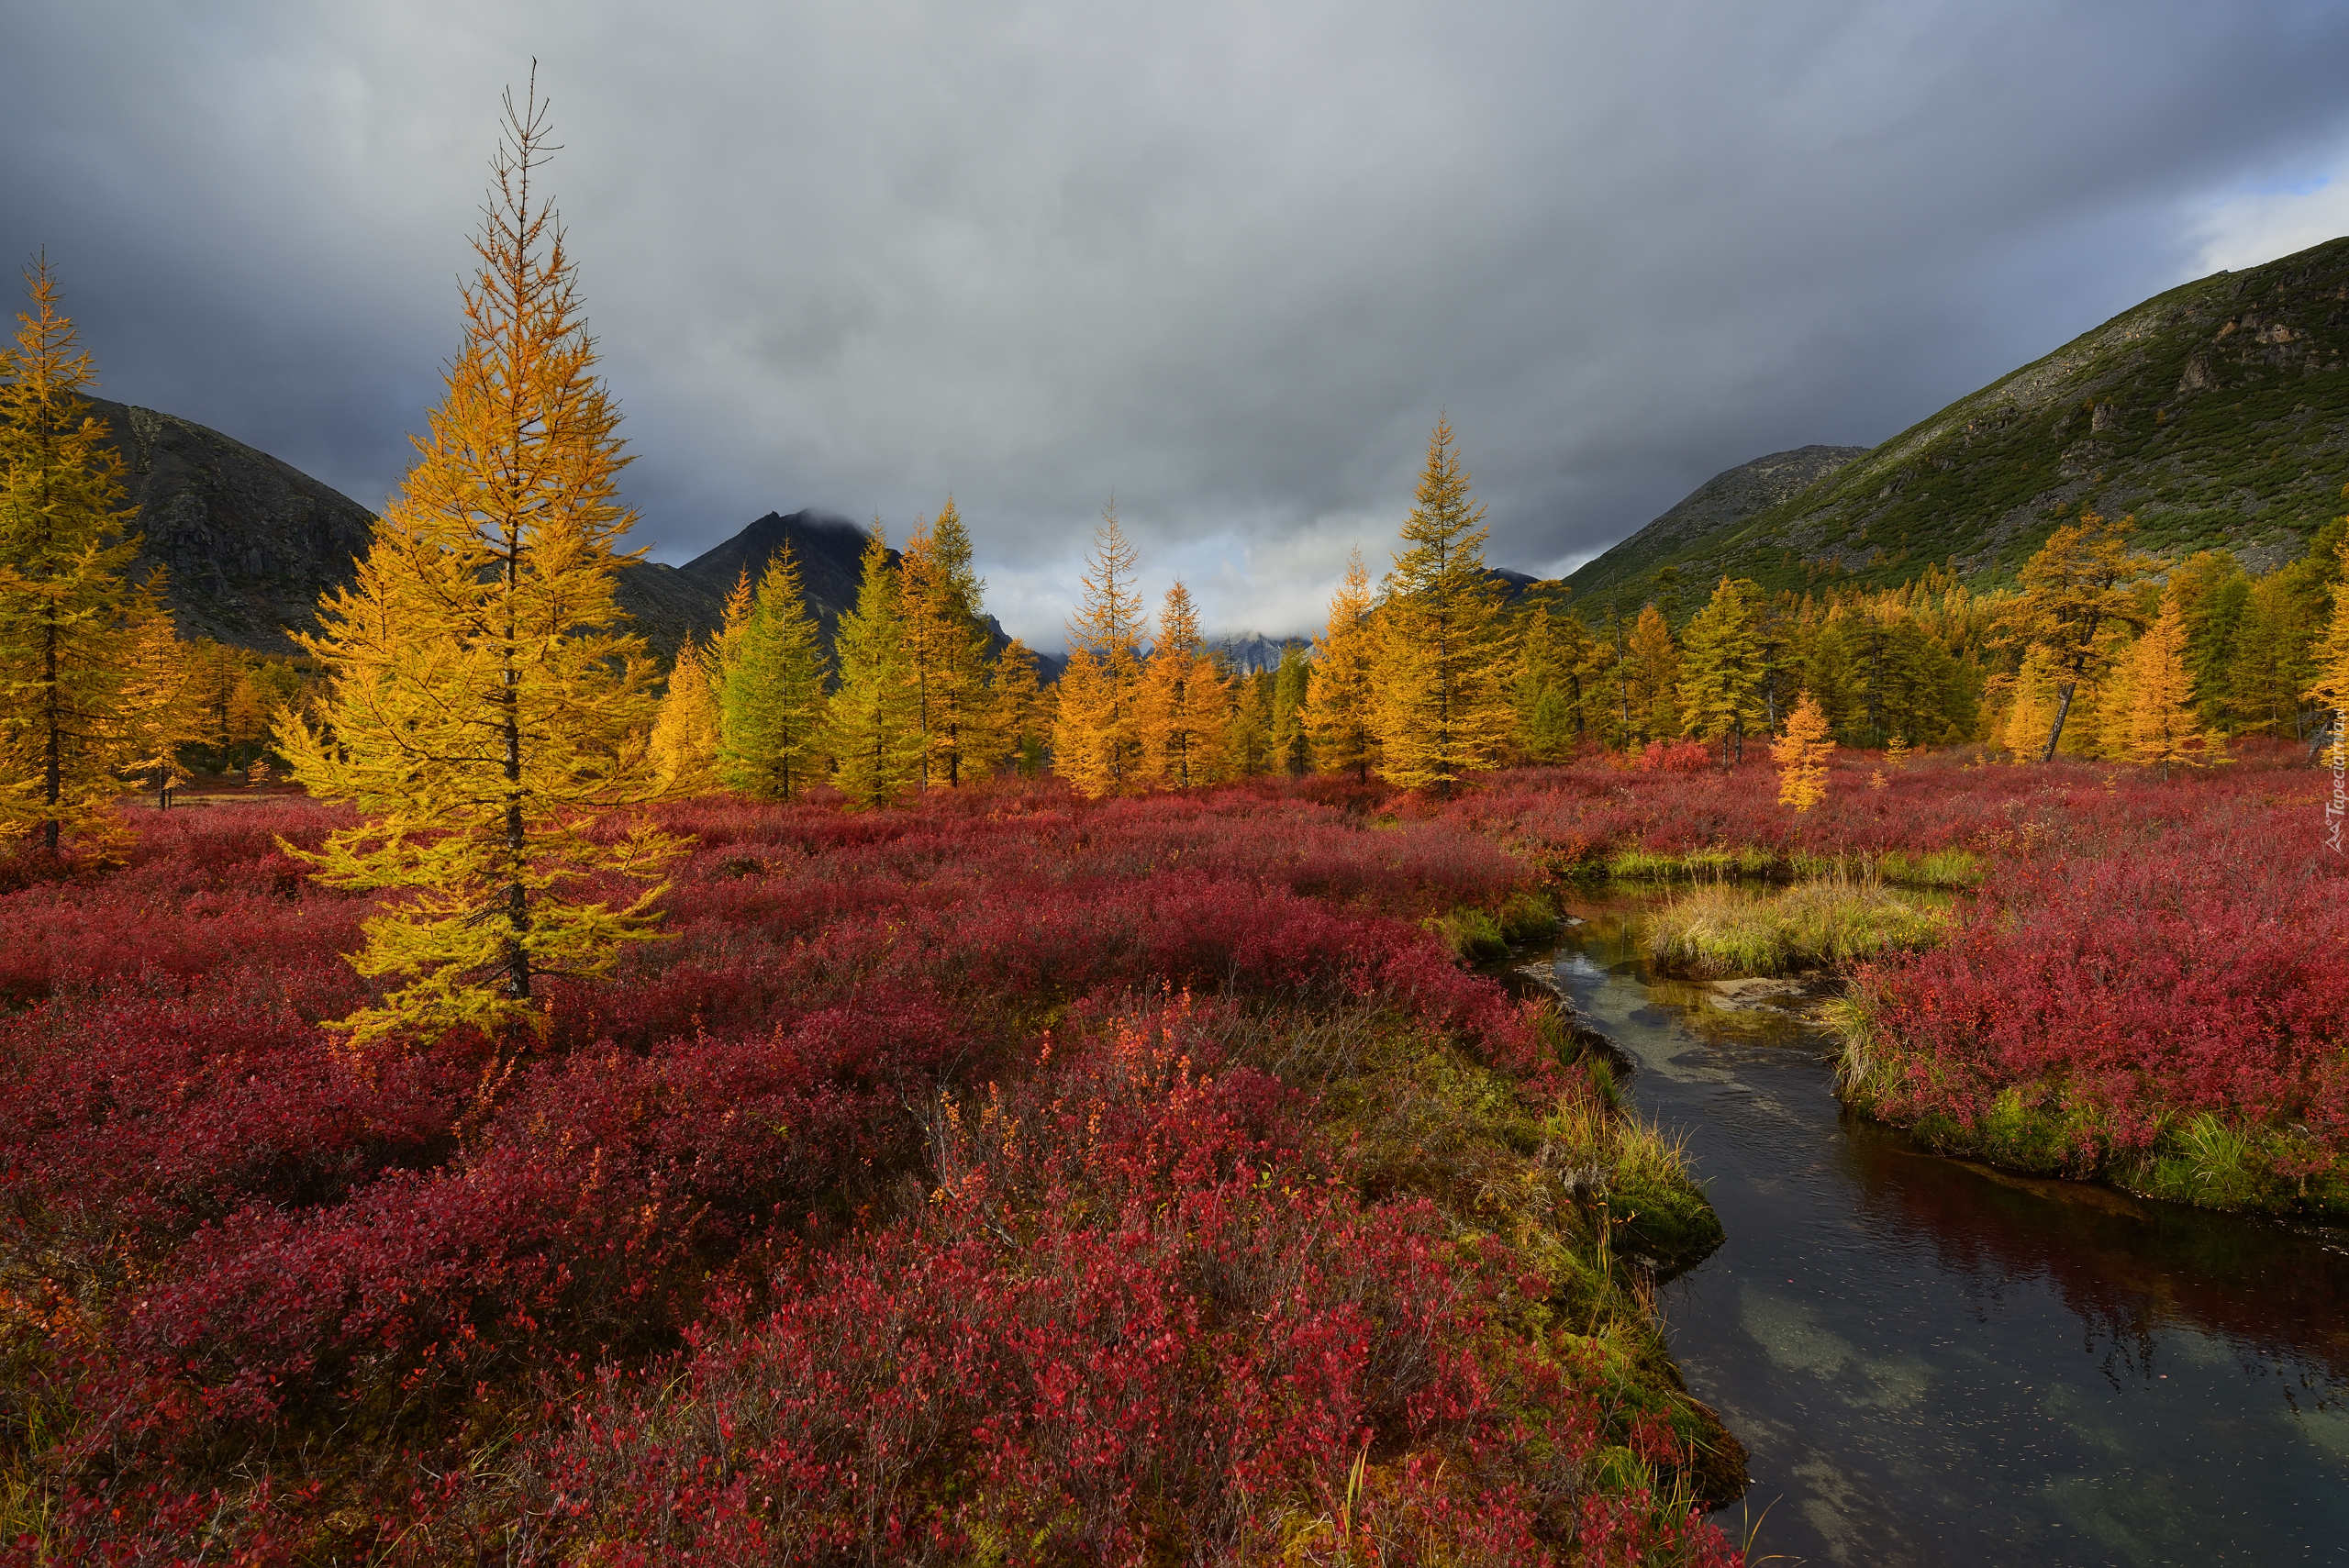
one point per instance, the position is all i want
(481, 708)
(1338, 697)
(1441, 698)
(1801, 755)
(2165, 731)
(84, 649)
(162, 707)
(685, 729)
(2329, 685)
(1019, 712)
(2032, 704)
(946, 651)
(1652, 677)
(2077, 602)
(1096, 742)
(1183, 708)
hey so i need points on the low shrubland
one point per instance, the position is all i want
(2141, 979)
(1005, 1179)
(1012, 1179)
(2155, 998)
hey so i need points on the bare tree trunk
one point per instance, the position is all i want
(518, 896)
(2063, 711)
(53, 767)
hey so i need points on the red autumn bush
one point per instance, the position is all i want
(1132, 1292)
(1675, 757)
(2122, 974)
(1132, 1312)
(2141, 952)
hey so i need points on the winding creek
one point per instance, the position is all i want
(1935, 1362)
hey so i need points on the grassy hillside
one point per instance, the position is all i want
(2217, 414)
(1713, 508)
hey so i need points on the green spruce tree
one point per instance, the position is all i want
(770, 691)
(874, 726)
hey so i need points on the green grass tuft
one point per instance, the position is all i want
(1722, 931)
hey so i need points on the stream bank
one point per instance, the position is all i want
(1933, 1361)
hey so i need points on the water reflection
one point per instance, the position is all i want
(1935, 1362)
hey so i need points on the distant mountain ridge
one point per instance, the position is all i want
(251, 543)
(2217, 414)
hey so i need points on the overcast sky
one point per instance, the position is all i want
(1225, 260)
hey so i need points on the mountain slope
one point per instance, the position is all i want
(2217, 414)
(830, 551)
(251, 543)
(1727, 498)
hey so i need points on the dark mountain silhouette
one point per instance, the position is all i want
(829, 550)
(249, 543)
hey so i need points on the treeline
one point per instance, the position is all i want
(97, 691)
(2099, 653)
(1433, 674)
(1416, 683)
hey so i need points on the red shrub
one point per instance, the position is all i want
(1027, 1260)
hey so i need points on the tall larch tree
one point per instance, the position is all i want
(161, 708)
(1721, 670)
(947, 650)
(481, 702)
(1020, 716)
(1652, 678)
(2078, 599)
(1096, 742)
(2278, 659)
(1441, 696)
(1338, 700)
(686, 737)
(79, 640)
(1183, 708)
(2164, 731)
(1548, 687)
(1292, 689)
(1251, 715)
(770, 683)
(874, 729)
(2325, 665)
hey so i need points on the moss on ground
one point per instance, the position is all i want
(1599, 1204)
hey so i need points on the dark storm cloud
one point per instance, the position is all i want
(1226, 259)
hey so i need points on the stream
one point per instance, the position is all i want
(1935, 1362)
